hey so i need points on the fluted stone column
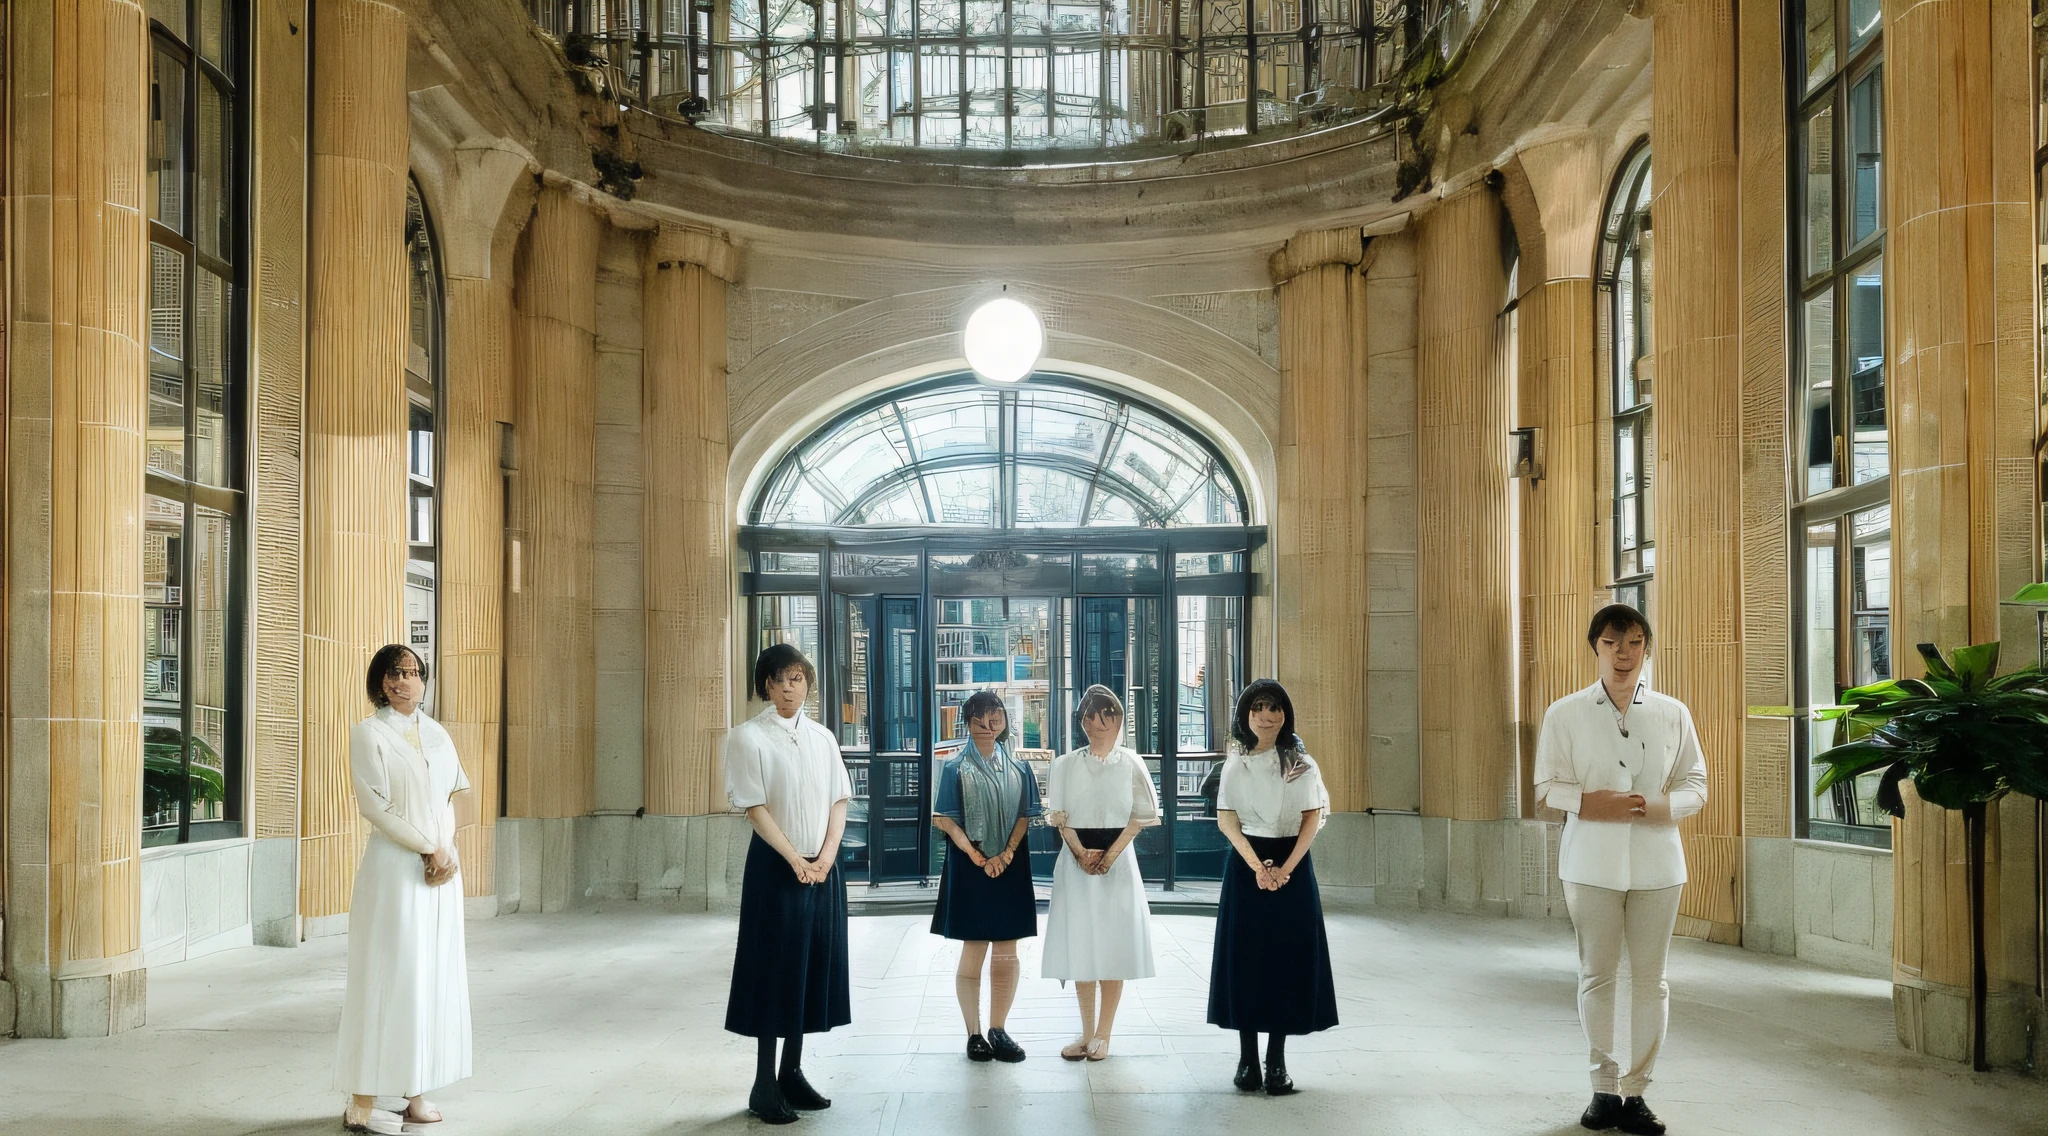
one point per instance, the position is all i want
(1319, 529)
(77, 392)
(1555, 193)
(1960, 252)
(355, 419)
(551, 715)
(1698, 488)
(1462, 569)
(687, 570)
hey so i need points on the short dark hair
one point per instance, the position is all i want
(1618, 618)
(775, 661)
(982, 703)
(1099, 699)
(1264, 692)
(383, 663)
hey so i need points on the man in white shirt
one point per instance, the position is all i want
(1624, 763)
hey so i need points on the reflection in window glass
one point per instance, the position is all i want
(851, 691)
(1866, 146)
(210, 376)
(1819, 402)
(1207, 674)
(1050, 497)
(167, 141)
(1870, 454)
(790, 562)
(1820, 41)
(1871, 596)
(1865, 18)
(1003, 645)
(1820, 189)
(163, 658)
(1628, 311)
(213, 555)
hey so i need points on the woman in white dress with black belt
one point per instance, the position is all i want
(1099, 931)
(405, 1016)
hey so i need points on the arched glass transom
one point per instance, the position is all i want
(1049, 454)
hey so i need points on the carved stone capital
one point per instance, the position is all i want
(709, 249)
(1315, 248)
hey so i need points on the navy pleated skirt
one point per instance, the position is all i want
(1271, 969)
(789, 975)
(972, 907)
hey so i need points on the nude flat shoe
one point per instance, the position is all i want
(1078, 1051)
(422, 1113)
(1098, 1049)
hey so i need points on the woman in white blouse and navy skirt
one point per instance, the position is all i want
(789, 975)
(1099, 931)
(1270, 972)
(983, 804)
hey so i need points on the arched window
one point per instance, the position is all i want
(1628, 303)
(195, 502)
(423, 413)
(950, 536)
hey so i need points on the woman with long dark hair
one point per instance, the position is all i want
(1270, 972)
(789, 974)
(985, 801)
(405, 1014)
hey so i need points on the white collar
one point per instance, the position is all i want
(388, 714)
(1599, 690)
(793, 723)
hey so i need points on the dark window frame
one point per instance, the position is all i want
(231, 500)
(1621, 236)
(1843, 499)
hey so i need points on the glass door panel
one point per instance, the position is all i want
(1004, 645)
(902, 828)
(1119, 647)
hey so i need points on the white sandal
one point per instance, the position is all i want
(1078, 1051)
(1098, 1049)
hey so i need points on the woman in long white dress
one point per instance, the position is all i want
(405, 1018)
(1099, 931)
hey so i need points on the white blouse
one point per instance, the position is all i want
(1101, 792)
(1265, 804)
(791, 765)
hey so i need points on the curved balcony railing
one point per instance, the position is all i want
(1002, 76)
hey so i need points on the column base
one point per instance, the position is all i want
(1934, 1019)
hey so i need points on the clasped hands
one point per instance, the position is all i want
(440, 865)
(1271, 876)
(1094, 861)
(1606, 804)
(993, 866)
(810, 871)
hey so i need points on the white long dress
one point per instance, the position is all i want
(405, 1018)
(1099, 927)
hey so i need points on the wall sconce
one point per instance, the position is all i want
(1526, 452)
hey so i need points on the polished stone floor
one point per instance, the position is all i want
(607, 1021)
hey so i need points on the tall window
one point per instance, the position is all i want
(1627, 301)
(422, 457)
(1838, 435)
(194, 506)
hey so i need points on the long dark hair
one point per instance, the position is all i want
(1266, 692)
(982, 703)
(383, 663)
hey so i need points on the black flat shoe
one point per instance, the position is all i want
(766, 1102)
(799, 1093)
(1005, 1049)
(1636, 1119)
(1602, 1114)
(1247, 1079)
(978, 1048)
(1278, 1083)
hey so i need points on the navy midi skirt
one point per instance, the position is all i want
(789, 975)
(1271, 969)
(972, 907)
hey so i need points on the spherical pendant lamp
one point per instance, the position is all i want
(1003, 340)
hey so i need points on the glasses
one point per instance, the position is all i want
(404, 672)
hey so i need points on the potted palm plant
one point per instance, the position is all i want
(1966, 736)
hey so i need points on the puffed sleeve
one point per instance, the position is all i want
(1056, 791)
(1688, 781)
(746, 783)
(1557, 781)
(372, 781)
(1144, 798)
(1029, 807)
(1226, 796)
(1306, 792)
(946, 799)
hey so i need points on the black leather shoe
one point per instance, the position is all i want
(1005, 1049)
(766, 1102)
(1278, 1083)
(1603, 1114)
(798, 1092)
(1636, 1119)
(1247, 1079)
(978, 1048)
